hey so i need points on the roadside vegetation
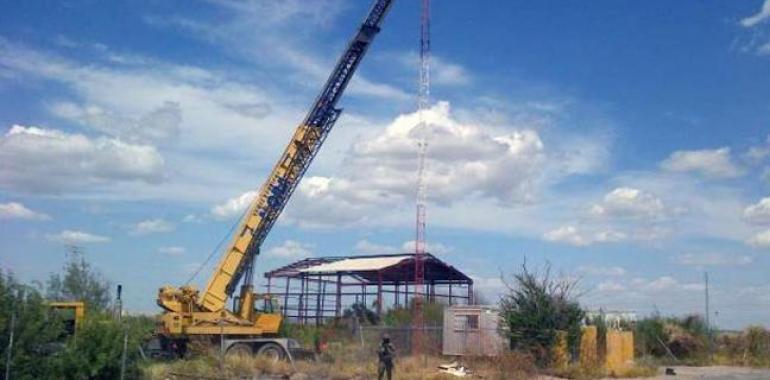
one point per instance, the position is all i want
(541, 315)
(688, 341)
(42, 349)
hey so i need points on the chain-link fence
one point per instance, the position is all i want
(404, 339)
(436, 340)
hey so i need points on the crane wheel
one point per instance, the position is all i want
(272, 351)
(240, 349)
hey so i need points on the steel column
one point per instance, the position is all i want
(339, 296)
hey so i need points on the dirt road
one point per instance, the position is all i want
(714, 373)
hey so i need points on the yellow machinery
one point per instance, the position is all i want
(189, 313)
(78, 312)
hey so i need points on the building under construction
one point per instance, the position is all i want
(314, 290)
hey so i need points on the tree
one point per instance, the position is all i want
(536, 307)
(97, 350)
(360, 312)
(36, 332)
(79, 282)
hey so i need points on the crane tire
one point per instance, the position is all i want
(272, 351)
(240, 349)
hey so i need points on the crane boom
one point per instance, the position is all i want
(263, 211)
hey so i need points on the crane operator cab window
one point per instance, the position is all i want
(269, 305)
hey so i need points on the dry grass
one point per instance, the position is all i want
(340, 363)
(348, 361)
(357, 366)
(209, 367)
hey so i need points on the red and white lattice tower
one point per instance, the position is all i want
(423, 99)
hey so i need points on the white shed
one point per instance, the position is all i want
(472, 330)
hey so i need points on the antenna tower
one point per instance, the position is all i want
(423, 99)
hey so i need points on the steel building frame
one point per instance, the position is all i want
(310, 293)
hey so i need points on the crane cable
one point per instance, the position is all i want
(218, 246)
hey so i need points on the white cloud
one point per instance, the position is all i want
(368, 248)
(713, 259)
(756, 154)
(159, 125)
(761, 16)
(253, 29)
(612, 271)
(566, 234)
(763, 49)
(291, 249)
(442, 71)
(234, 206)
(152, 226)
(714, 163)
(610, 287)
(172, 250)
(694, 208)
(131, 101)
(664, 283)
(760, 239)
(76, 237)
(47, 160)
(569, 234)
(447, 73)
(610, 236)
(493, 284)
(15, 210)
(629, 202)
(192, 218)
(431, 247)
(508, 166)
(464, 159)
(758, 213)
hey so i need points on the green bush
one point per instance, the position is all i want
(650, 335)
(95, 352)
(42, 349)
(535, 308)
(79, 282)
(433, 315)
(363, 314)
(36, 332)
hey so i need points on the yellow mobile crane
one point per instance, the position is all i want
(189, 313)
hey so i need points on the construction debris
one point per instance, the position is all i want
(455, 369)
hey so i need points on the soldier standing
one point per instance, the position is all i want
(386, 352)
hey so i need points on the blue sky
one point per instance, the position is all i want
(627, 143)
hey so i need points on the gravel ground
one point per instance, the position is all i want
(702, 373)
(715, 372)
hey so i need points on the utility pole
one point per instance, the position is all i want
(8, 355)
(123, 355)
(708, 320)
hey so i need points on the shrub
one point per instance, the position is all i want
(535, 308)
(95, 352)
(37, 333)
(360, 312)
(650, 335)
(433, 315)
(79, 282)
